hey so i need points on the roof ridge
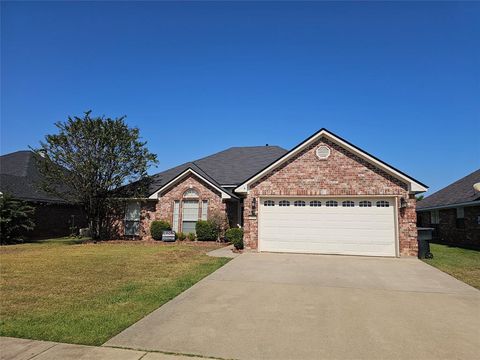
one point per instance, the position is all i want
(452, 184)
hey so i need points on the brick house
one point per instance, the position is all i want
(324, 196)
(454, 212)
(20, 177)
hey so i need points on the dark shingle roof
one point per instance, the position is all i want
(228, 167)
(20, 177)
(461, 191)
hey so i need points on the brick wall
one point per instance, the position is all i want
(342, 174)
(163, 208)
(447, 232)
(55, 220)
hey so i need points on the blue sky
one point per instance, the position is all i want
(400, 80)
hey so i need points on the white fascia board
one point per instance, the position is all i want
(413, 186)
(451, 206)
(181, 176)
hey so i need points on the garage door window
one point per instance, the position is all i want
(365, 203)
(383, 203)
(331, 203)
(299, 203)
(348, 203)
(315, 203)
(284, 203)
(269, 203)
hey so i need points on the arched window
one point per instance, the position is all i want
(365, 203)
(284, 203)
(299, 203)
(331, 203)
(348, 203)
(269, 203)
(383, 203)
(190, 193)
(315, 203)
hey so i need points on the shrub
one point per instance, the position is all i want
(158, 227)
(206, 230)
(220, 221)
(181, 236)
(191, 236)
(235, 236)
(15, 219)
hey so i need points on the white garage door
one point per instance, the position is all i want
(328, 226)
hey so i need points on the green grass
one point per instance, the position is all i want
(462, 264)
(62, 290)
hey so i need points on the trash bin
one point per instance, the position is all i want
(424, 237)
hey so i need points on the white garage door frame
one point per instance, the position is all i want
(323, 198)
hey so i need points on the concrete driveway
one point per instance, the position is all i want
(279, 306)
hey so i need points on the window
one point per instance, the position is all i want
(331, 203)
(365, 203)
(460, 221)
(348, 203)
(434, 217)
(383, 203)
(190, 193)
(299, 203)
(132, 218)
(284, 203)
(204, 209)
(189, 215)
(176, 214)
(315, 203)
(269, 203)
(460, 213)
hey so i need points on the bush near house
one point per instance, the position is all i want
(235, 236)
(206, 230)
(15, 219)
(158, 227)
(181, 236)
(191, 236)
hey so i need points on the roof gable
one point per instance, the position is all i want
(413, 185)
(228, 167)
(184, 174)
(459, 192)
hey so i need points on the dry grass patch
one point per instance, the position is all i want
(63, 291)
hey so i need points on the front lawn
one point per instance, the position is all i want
(86, 293)
(462, 264)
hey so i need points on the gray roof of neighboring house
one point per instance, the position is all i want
(20, 177)
(228, 167)
(461, 191)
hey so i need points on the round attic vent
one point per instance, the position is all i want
(323, 152)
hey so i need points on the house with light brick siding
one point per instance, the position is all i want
(324, 196)
(454, 212)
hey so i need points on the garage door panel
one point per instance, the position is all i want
(332, 230)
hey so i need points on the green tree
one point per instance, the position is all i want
(419, 197)
(89, 159)
(15, 219)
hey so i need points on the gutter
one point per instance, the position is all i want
(449, 206)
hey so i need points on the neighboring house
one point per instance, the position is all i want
(323, 196)
(454, 212)
(20, 177)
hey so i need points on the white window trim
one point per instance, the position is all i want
(435, 217)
